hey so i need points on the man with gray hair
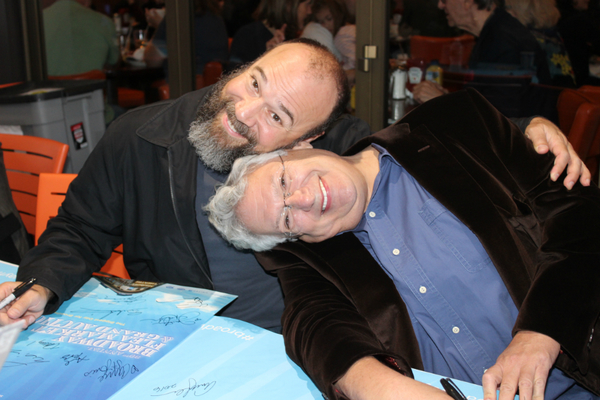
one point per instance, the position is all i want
(445, 248)
(144, 184)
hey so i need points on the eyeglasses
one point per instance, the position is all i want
(287, 210)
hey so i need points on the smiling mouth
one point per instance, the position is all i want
(324, 193)
(232, 130)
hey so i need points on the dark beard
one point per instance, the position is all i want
(213, 144)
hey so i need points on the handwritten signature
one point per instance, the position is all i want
(189, 318)
(112, 370)
(76, 358)
(197, 389)
(24, 359)
(107, 313)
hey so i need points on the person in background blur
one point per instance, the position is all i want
(210, 36)
(423, 17)
(541, 17)
(278, 20)
(135, 14)
(238, 13)
(500, 40)
(582, 37)
(327, 20)
(327, 17)
(78, 39)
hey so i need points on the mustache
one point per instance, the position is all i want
(239, 126)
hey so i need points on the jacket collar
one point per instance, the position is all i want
(172, 123)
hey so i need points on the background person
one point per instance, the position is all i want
(500, 39)
(449, 250)
(541, 17)
(78, 39)
(277, 21)
(581, 34)
(211, 42)
(327, 20)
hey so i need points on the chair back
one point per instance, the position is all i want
(593, 159)
(25, 158)
(567, 105)
(584, 128)
(4, 85)
(447, 50)
(51, 193)
(212, 73)
(591, 92)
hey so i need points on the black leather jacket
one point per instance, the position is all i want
(134, 189)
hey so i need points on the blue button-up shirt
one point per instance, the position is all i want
(459, 307)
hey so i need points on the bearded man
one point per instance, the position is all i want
(147, 179)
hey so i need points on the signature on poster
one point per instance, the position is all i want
(196, 389)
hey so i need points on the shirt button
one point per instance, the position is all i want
(456, 329)
(396, 252)
(423, 289)
(372, 214)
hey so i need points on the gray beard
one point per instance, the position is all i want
(214, 146)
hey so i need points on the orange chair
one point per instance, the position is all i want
(447, 50)
(212, 73)
(8, 84)
(584, 129)
(593, 161)
(128, 98)
(25, 158)
(576, 113)
(567, 105)
(591, 92)
(51, 193)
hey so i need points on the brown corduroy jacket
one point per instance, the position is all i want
(543, 239)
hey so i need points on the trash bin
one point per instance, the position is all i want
(70, 112)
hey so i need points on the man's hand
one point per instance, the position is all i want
(523, 366)
(547, 136)
(427, 90)
(28, 307)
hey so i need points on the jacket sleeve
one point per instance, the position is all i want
(324, 329)
(79, 240)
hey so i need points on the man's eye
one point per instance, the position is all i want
(254, 83)
(282, 181)
(276, 118)
(287, 220)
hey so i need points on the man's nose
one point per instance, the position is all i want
(301, 199)
(247, 109)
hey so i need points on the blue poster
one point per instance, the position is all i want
(99, 340)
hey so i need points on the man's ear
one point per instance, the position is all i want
(305, 144)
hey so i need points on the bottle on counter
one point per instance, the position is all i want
(434, 72)
(416, 72)
(398, 83)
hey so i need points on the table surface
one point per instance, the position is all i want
(88, 350)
